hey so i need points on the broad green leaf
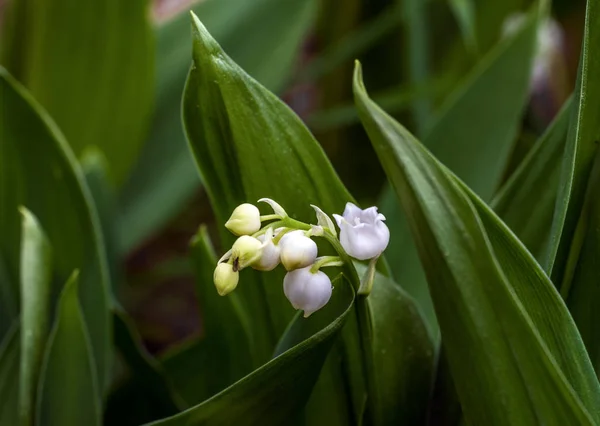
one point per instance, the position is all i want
(91, 65)
(582, 142)
(276, 393)
(36, 283)
(9, 376)
(480, 119)
(248, 145)
(68, 390)
(147, 394)
(403, 355)
(164, 178)
(51, 185)
(584, 288)
(526, 201)
(509, 362)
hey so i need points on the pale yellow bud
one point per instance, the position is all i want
(225, 278)
(244, 220)
(245, 251)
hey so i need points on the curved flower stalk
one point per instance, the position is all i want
(363, 236)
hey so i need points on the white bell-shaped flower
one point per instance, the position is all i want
(245, 252)
(245, 220)
(225, 278)
(269, 258)
(363, 234)
(306, 290)
(297, 250)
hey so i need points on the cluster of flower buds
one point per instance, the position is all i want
(363, 235)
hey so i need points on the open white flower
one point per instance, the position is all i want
(362, 232)
(245, 220)
(306, 290)
(269, 258)
(297, 250)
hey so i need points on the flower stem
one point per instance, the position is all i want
(325, 261)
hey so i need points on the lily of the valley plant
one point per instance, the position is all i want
(363, 236)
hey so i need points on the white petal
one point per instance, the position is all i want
(339, 219)
(365, 242)
(351, 211)
(369, 215)
(307, 291)
(297, 250)
(277, 209)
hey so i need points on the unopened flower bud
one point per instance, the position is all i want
(307, 290)
(362, 232)
(225, 278)
(269, 258)
(244, 220)
(245, 251)
(297, 250)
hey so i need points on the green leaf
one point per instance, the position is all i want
(526, 201)
(147, 394)
(68, 391)
(51, 185)
(499, 314)
(36, 283)
(584, 289)
(582, 142)
(9, 376)
(276, 393)
(9, 300)
(239, 134)
(164, 178)
(95, 169)
(403, 354)
(480, 118)
(99, 89)
(226, 349)
(464, 12)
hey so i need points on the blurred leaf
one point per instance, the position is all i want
(394, 100)
(582, 143)
(490, 16)
(228, 351)
(68, 391)
(36, 283)
(354, 43)
(51, 185)
(96, 172)
(418, 54)
(403, 354)
(464, 12)
(9, 377)
(473, 136)
(147, 394)
(164, 177)
(91, 66)
(9, 301)
(276, 393)
(225, 350)
(526, 201)
(486, 287)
